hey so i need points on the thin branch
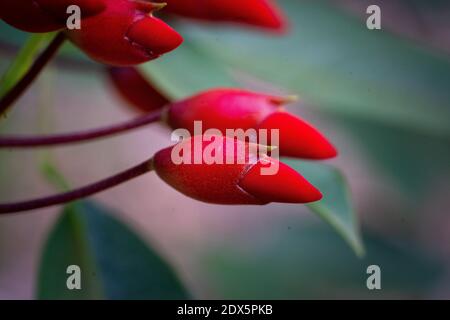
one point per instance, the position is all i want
(9, 98)
(76, 137)
(78, 193)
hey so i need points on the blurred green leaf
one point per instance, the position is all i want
(304, 261)
(415, 160)
(68, 245)
(23, 61)
(11, 35)
(115, 263)
(329, 58)
(336, 206)
(202, 70)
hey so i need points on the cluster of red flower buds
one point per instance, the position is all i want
(225, 109)
(116, 32)
(125, 32)
(236, 179)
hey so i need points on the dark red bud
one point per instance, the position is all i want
(58, 8)
(135, 89)
(240, 109)
(260, 13)
(232, 183)
(125, 34)
(44, 15)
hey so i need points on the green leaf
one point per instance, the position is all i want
(23, 61)
(336, 206)
(115, 263)
(413, 159)
(68, 245)
(306, 261)
(330, 59)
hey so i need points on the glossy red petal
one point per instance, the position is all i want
(298, 138)
(286, 185)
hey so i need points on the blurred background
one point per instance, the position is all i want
(382, 96)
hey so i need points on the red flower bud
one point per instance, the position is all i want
(238, 179)
(297, 137)
(239, 109)
(260, 13)
(44, 15)
(136, 90)
(125, 33)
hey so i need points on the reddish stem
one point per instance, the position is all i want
(11, 96)
(74, 137)
(78, 193)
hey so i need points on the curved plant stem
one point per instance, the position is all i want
(12, 95)
(74, 137)
(80, 193)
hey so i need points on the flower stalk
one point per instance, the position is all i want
(79, 193)
(77, 137)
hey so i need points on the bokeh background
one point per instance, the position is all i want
(382, 96)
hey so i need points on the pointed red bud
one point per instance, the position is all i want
(136, 89)
(224, 109)
(259, 13)
(286, 186)
(125, 34)
(44, 15)
(154, 35)
(298, 138)
(237, 179)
